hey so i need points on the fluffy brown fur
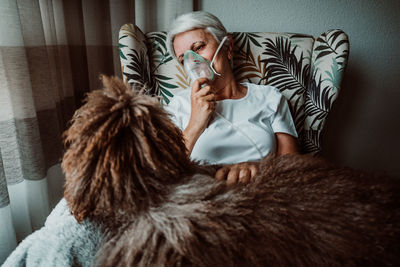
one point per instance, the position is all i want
(126, 168)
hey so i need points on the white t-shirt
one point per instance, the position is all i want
(242, 129)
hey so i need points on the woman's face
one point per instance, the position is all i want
(204, 44)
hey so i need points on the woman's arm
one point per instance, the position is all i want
(285, 144)
(190, 136)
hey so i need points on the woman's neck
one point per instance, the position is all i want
(229, 89)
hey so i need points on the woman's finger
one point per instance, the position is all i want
(206, 90)
(244, 175)
(233, 176)
(198, 83)
(221, 173)
(253, 171)
(209, 98)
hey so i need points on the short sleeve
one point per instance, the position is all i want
(282, 121)
(173, 108)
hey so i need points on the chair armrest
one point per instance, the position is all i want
(329, 59)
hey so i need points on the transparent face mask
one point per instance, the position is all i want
(197, 66)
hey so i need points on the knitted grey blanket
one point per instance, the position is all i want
(60, 242)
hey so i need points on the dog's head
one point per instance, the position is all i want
(122, 152)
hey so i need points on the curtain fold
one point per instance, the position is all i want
(20, 141)
(51, 53)
(7, 233)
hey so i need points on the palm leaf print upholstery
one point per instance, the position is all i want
(306, 70)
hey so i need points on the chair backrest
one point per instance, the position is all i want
(306, 70)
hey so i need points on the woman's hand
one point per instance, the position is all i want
(238, 173)
(203, 104)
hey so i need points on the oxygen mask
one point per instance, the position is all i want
(197, 66)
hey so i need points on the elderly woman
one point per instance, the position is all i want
(223, 121)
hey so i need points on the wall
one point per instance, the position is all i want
(363, 128)
(156, 15)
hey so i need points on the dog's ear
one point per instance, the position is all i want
(122, 151)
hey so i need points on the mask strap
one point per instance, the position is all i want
(215, 55)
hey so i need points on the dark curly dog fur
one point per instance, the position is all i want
(127, 169)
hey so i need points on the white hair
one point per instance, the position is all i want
(195, 20)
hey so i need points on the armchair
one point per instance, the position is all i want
(306, 70)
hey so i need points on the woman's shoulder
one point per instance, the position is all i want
(185, 93)
(263, 93)
(180, 98)
(263, 89)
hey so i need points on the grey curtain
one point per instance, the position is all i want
(51, 54)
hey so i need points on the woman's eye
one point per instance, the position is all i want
(197, 48)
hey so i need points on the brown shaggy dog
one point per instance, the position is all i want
(127, 169)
